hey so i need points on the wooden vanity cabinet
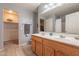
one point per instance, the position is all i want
(37, 45)
(38, 48)
(33, 45)
(48, 51)
(46, 47)
(56, 47)
(60, 53)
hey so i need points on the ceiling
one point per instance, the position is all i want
(30, 6)
(62, 10)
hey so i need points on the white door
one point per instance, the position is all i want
(58, 25)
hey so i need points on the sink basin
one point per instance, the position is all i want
(77, 38)
(58, 36)
(63, 37)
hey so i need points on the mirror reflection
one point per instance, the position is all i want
(59, 20)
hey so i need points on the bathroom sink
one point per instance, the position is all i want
(57, 36)
(64, 37)
(77, 38)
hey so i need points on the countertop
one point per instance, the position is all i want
(67, 39)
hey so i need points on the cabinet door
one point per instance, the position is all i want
(33, 45)
(48, 51)
(38, 48)
(60, 53)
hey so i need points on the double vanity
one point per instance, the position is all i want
(55, 44)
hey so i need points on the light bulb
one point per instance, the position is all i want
(10, 11)
(51, 4)
(46, 6)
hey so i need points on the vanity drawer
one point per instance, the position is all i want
(37, 38)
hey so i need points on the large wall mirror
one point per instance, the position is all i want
(63, 19)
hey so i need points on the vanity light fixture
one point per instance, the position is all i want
(59, 4)
(46, 6)
(10, 11)
(52, 5)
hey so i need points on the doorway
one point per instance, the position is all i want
(10, 19)
(41, 24)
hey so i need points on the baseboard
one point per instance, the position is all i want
(23, 44)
